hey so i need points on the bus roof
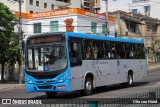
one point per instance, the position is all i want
(46, 34)
(102, 37)
(89, 36)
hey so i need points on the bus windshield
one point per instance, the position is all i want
(42, 58)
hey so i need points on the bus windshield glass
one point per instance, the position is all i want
(42, 58)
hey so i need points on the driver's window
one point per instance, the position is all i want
(75, 53)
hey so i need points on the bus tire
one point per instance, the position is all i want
(51, 94)
(88, 86)
(130, 80)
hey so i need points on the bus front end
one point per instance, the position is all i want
(46, 64)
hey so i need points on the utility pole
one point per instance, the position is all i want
(106, 20)
(20, 42)
(20, 38)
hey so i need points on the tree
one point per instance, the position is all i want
(8, 39)
(157, 47)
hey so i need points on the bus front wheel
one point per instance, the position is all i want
(51, 94)
(88, 88)
(130, 80)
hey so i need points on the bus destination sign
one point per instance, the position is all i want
(45, 39)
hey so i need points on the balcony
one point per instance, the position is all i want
(96, 6)
(87, 1)
(140, 1)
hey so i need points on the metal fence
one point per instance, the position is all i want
(146, 99)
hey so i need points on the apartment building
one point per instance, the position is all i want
(145, 7)
(138, 26)
(114, 5)
(34, 6)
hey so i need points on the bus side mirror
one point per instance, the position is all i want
(75, 62)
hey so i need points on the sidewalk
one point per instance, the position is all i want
(7, 86)
(11, 86)
(152, 66)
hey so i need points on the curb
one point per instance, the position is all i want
(12, 87)
(150, 67)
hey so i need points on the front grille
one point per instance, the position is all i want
(39, 82)
(45, 87)
(42, 82)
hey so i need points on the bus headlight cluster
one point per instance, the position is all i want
(29, 81)
(61, 79)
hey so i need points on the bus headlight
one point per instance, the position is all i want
(29, 81)
(62, 78)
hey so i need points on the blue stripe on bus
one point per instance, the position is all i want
(88, 36)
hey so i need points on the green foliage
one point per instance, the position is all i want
(8, 39)
(157, 41)
(157, 49)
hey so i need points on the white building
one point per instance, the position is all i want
(33, 6)
(145, 7)
(75, 20)
(114, 5)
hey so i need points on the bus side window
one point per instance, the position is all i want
(113, 50)
(143, 51)
(120, 53)
(137, 51)
(107, 50)
(87, 49)
(128, 51)
(75, 54)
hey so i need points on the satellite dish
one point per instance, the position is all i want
(61, 4)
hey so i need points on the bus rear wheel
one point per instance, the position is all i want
(88, 88)
(51, 94)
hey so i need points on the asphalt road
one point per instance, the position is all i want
(151, 82)
(147, 84)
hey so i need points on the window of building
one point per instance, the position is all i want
(147, 10)
(63, 1)
(103, 28)
(37, 27)
(31, 11)
(37, 3)
(31, 2)
(54, 26)
(94, 27)
(45, 5)
(148, 26)
(134, 11)
(52, 6)
(140, 1)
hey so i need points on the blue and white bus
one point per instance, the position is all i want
(67, 61)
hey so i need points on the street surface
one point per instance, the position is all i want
(153, 81)
(147, 84)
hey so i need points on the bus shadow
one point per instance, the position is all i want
(117, 87)
(77, 94)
